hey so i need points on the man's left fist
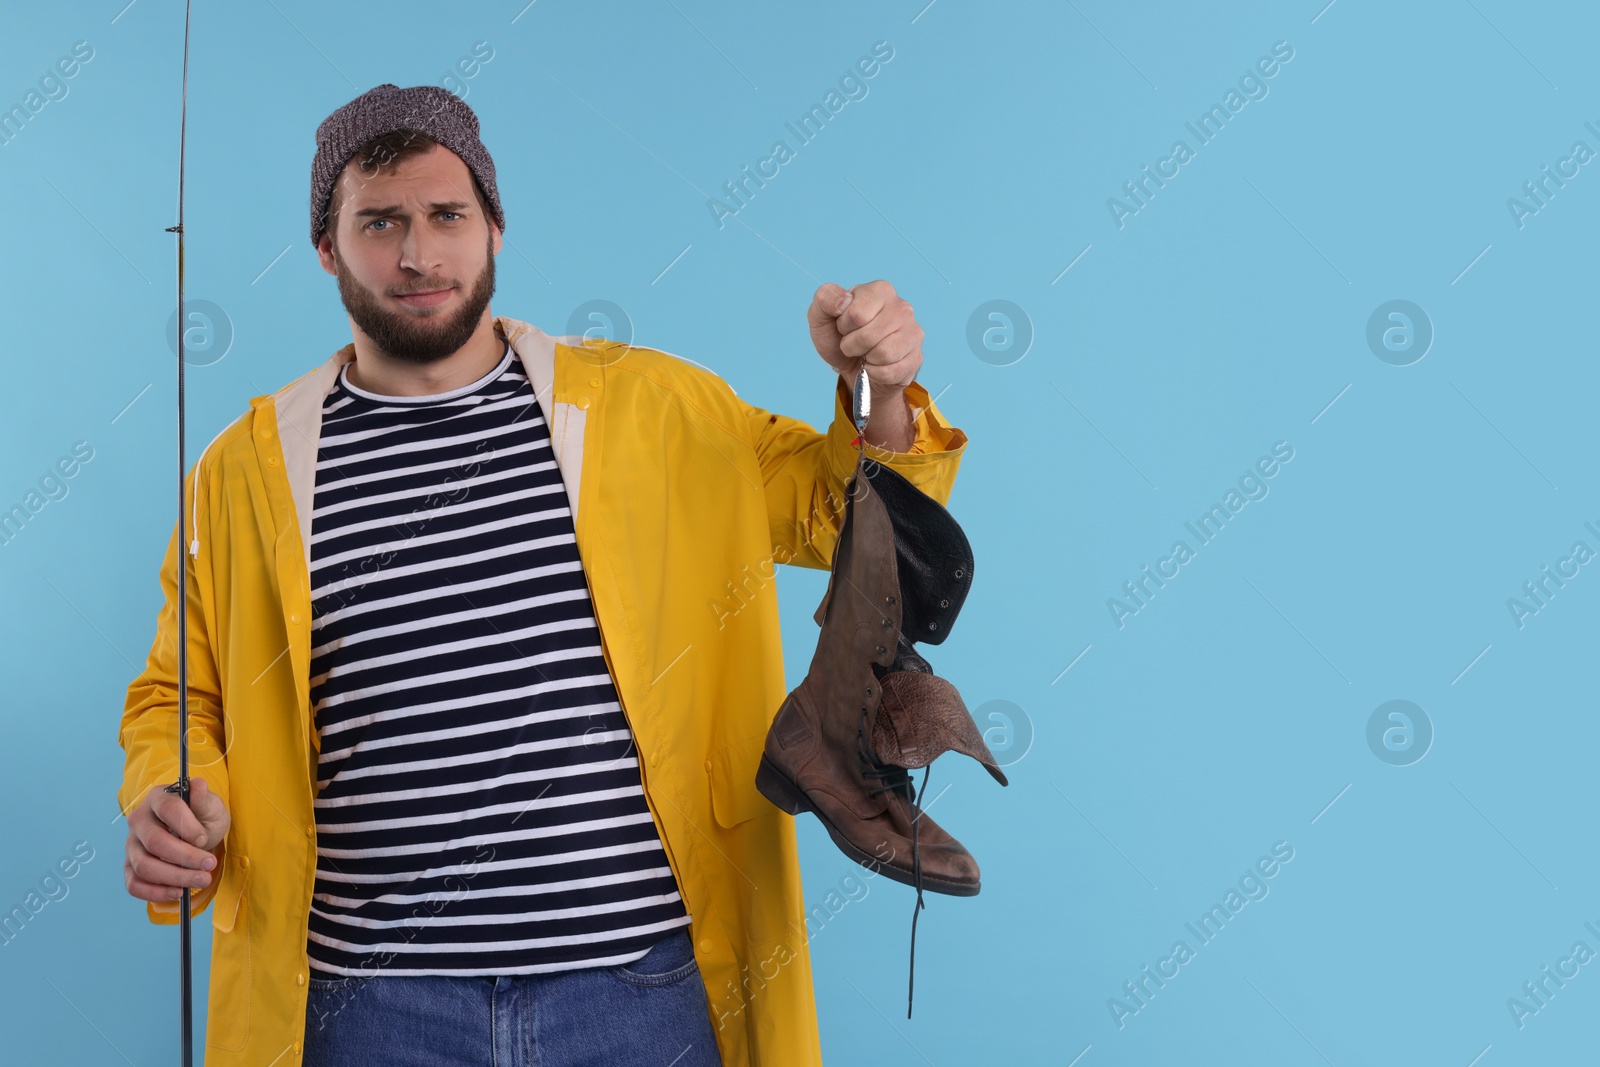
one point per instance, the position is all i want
(866, 322)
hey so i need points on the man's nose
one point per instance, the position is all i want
(420, 250)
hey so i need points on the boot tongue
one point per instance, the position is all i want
(920, 717)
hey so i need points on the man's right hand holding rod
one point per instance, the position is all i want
(171, 846)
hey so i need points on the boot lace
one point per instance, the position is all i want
(897, 779)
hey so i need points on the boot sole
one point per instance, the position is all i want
(789, 797)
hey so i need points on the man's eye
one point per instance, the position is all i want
(375, 222)
(456, 214)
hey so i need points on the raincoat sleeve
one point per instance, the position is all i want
(804, 472)
(149, 732)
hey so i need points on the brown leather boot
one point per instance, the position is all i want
(870, 707)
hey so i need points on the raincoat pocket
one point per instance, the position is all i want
(734, 797)
(228, 1007)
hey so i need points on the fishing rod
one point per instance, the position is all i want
(181, 786)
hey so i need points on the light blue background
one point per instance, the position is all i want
(1229, 313)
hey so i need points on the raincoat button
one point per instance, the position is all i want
(295, 618)
(299, 979)
(595, 382)
(705, 945)
(272, 461)
(311, 831)
(708, 766)
(583, 402)
(655, 759)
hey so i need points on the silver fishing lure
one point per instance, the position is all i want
(861, 400)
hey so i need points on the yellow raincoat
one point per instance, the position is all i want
(684, 498)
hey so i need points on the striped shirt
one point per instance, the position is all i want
(480, 808)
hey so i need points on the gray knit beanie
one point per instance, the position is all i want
(428, 109)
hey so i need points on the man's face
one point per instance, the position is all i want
(414, 254)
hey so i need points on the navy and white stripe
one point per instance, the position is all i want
(479, 807)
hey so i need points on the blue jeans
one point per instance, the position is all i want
(652, 1012)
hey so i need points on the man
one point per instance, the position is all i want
(483, 647)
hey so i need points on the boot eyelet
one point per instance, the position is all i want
(933, 626)
(869, 690)
(944, 603)
(959, 572)
(888, 600)
(881, 650)
(887, 624)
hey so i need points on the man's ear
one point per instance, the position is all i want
(496, 237)
(325, 253)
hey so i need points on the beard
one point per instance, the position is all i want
(425, 335)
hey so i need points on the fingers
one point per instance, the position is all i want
(868, 301)
(890, 337)
(859, 342)
(156, 840)
(166, 850)
(166, 829)
(826, 304)
(868, 324)
(142, 890)
(178, 818)
(211, 812)
(149, 877)
(873, 314)
(895, 360)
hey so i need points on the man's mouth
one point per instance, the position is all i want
(425, 299)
